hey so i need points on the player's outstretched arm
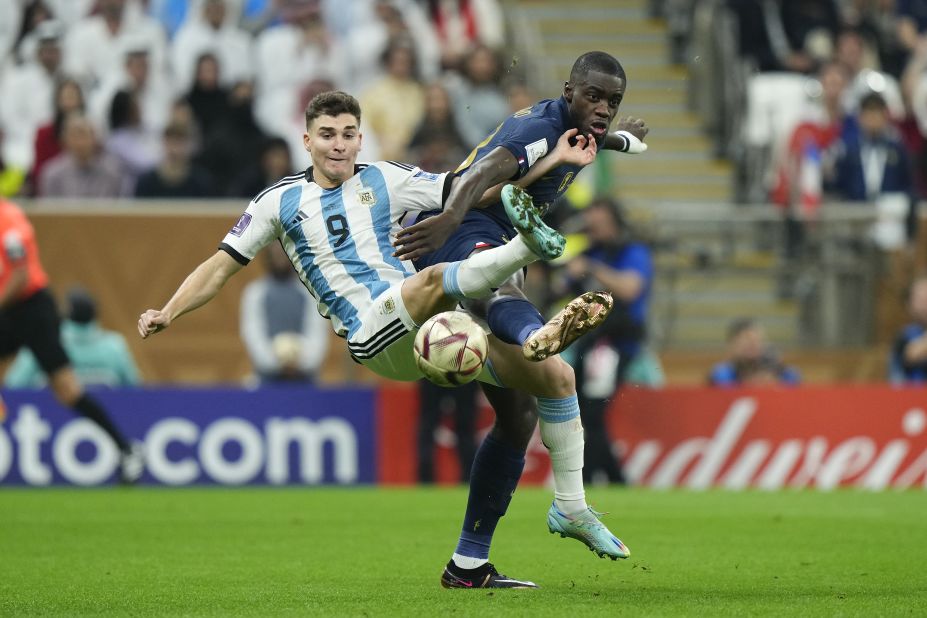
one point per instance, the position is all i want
(629, 137)
(425, 236)
(196, 290)
(582, 153)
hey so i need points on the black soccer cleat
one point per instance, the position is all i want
(485, 576)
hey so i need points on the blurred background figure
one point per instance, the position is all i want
(871, 158)
(232, 142)
(99, 357)
(275, 163)
(394, 105)
(616, 263)
(94, 48)
(908, 363)
(437, 145)
(479, 101)
(818, 128)
(49, 138)
(751, 360)
(29, 319)
(285, 336)
(213, 31)
(436, 403)
(152, 88)
(208, 99)
(375, 28)
(461, 24)
(28, 96)
(176, 176)
(137, 147)
(82, 170)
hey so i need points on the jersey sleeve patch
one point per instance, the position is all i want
(536, 150)
(243, 222)
(422, 175)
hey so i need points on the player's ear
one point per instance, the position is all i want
(360, 141)
(307, 142)
(568, 91)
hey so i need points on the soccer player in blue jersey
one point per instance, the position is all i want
(336, 222)
(589, 104)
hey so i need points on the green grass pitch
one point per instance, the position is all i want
(376, 552)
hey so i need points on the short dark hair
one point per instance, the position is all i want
(596, 61)
(332, 103)
(873, 101)
(81, 306)
(740, 325)
(614, 208)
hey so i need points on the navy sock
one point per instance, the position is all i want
(513, 319)
(496, 470)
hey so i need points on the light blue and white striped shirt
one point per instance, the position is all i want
(340, 240)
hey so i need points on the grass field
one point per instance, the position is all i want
(369, 552)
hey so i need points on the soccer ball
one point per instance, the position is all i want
(450, 349)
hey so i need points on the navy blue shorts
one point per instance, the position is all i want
(478, 230)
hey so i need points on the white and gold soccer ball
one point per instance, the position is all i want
(450, 349)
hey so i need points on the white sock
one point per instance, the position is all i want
(466, 562)
(562, 433)
(481, 273)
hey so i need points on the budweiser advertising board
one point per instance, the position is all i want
(874, 437)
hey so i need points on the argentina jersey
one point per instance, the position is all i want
(340, 240)
(529, 135)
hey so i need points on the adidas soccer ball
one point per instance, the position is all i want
(450, 349)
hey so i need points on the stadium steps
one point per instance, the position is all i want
(691, 310)
(679, 164)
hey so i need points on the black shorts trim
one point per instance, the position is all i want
(235, 254)
(382, 346)
(377, 338)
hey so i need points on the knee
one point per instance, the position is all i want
(434, 281)
(560, 378)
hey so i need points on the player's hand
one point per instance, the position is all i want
(424, 237)
(582, 153)
(151, 322)
(635, 126)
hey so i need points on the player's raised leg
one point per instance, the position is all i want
(440, 287)
(512, 317)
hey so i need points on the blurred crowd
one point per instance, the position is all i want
(205, 98)
(814, 100)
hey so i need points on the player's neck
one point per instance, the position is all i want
(325, 182)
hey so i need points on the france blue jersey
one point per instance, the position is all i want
(529, 135)
(903, 372)
(340, 240)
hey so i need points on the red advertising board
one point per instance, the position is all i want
(873, 437)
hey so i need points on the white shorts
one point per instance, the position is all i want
(384, 341)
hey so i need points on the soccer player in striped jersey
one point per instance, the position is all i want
(337, 221)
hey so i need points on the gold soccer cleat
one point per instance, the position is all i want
(580, 316)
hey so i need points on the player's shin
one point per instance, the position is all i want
(562, 433)
(496, 470)
(481, 273)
